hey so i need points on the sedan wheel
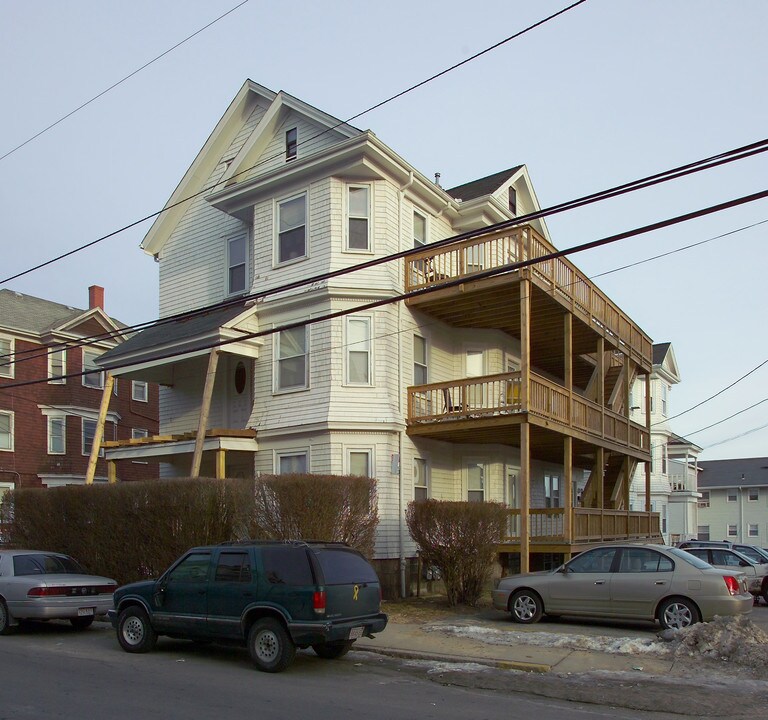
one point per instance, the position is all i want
(134, 631)
(678, 613)
(526, 607)
(270, 646)
(5, 618)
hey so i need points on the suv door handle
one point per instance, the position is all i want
(660, 582)
(599, 582)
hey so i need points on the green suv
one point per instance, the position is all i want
(271, 596)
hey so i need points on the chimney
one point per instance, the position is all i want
(95, 297)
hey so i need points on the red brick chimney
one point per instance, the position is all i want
(95, 297)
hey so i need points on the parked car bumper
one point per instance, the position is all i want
(60, 608)
(310, 633)
(500, 599)
(734, 605)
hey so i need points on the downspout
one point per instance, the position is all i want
(401, 492)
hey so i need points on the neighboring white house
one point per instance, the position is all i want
(673, 465)
(493, 388)
(734, 500)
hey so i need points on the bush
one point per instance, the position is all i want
(459, 538)
(133, 531)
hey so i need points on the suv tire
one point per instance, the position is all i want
(333, 650)
(134, 631)
(270, 646)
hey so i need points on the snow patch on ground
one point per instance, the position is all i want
(434, 666)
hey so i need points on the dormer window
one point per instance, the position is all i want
(291, 143)
(512, 200)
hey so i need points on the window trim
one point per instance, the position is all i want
(277, 389)
(87, 373)
(229, 240)
(277, 262)
(57, 378)
(51, 419)
(291, 452)
(138, 383)
(11, 365)
(368, 218)
(11, 434)
(368, 320)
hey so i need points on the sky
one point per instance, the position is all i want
(608, 92)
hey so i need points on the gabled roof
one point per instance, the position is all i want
(38, 316)
(738, 472)
(660, 352)
(250, 95)
(665, 363)
(484, 186)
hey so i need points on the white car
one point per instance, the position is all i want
(728, 559)
(39, 585)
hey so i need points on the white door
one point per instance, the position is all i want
(239, 395)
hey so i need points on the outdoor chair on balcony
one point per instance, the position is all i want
(511, 399)
(450, 408)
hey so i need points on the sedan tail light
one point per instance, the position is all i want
(732, 584)
(70, 590)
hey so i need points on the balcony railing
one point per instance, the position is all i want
(561, 278)
(545, 525)
(499, 395)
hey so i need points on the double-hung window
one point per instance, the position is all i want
(420, 369)
(359, 350)
(57, 435)
(6, 357)
(419, 229)
(292, 359)
(89, 433)
(139, 391)
(291, 144)
(57, 366)
(475, 481)
(358, 217)
(6, 430)
(420, 479)
(292, 462)
(93, 378)
(292, 229)
(237, 264)
(359, 462)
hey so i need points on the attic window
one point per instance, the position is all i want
(512, 200)
(291, 143)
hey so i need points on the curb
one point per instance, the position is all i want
(438, 657)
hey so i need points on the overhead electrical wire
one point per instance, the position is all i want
(501, 270)
(664, 176)
(119, 82)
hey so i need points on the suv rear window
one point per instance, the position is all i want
(287, 565)
(344, 567)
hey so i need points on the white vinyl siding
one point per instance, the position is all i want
(93, 378)
(57, 435)
(291, 229)
(6, 431)
(57, 366)
(358, 351)
(6, 357)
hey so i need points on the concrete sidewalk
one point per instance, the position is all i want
(414, 641)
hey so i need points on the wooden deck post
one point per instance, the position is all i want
(568, 489)
(98, 435)
(221, 464)
(205, 408)
(600, 476)
(525, 427)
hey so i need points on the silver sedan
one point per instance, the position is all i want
(640, 582)
(39, 585)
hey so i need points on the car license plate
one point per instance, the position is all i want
(81, 612)
(355, 633)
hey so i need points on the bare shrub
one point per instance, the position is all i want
(460, 539)
(317, 507)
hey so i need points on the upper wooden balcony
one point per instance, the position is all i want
(487, 407)
(494, 301)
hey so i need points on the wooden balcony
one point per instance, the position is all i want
(590, 526)
(558, 278)
(438, 410)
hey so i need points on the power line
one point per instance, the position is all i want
(120, 82)
(501, 270)
(719, 422)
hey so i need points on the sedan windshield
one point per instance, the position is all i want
(44, 564)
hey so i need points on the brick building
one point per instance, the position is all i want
(47, 428)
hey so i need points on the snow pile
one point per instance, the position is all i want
(730, 639)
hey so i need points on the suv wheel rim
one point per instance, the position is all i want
(267, 646)
(678, 616)
(133, 630)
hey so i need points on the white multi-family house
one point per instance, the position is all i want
(312, 320)
(673, 491)
(734, 500)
